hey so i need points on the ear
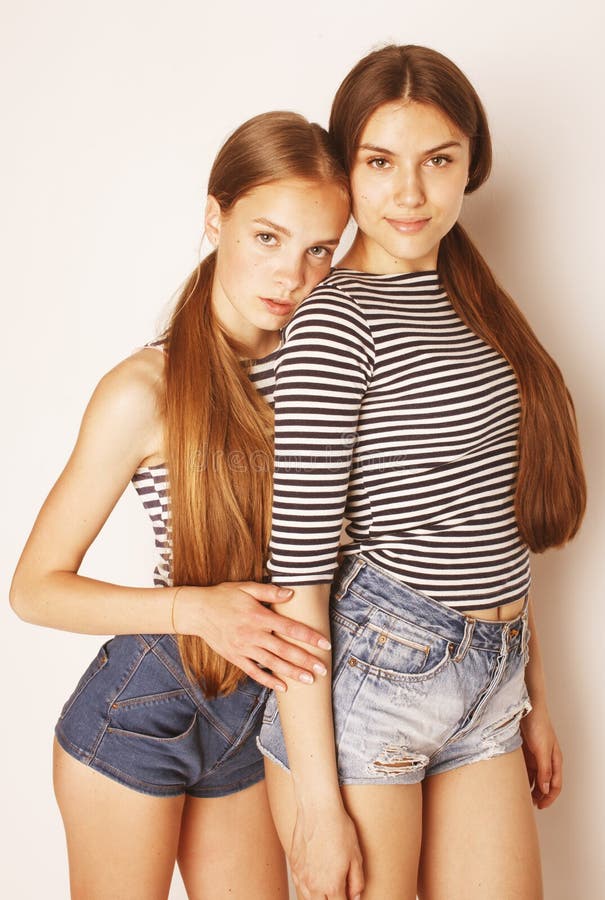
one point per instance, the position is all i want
(212, 220)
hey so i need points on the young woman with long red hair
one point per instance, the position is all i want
(429, 415)
(155, 756)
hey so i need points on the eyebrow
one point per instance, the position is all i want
(386, 152)
(274, 226)
(282, 230)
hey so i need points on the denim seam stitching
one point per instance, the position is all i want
(393, 676)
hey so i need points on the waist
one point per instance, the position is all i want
(367, 580)
(504, 613)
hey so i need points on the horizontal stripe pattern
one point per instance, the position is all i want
(151, 482)
(391, 412)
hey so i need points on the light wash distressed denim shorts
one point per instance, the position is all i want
(136, 717)
(418, 688)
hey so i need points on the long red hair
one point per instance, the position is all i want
(219, 430)
(550, 495)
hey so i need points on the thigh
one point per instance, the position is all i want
(479, 834)
(120, 843)
(388, 822)
(229, 848)
(388, 819)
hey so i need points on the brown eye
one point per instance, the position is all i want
(438, 162)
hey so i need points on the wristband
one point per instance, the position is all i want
(174, 596)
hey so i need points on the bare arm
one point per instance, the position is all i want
(325, 853)
(543, 756)
(121, 428)
(321, 378)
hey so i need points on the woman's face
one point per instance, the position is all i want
(273, 246)
(408, 178)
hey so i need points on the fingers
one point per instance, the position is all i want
(267, 593)
(356, 882)
(271, 593)
(555, 783)
(544, 772)
(548, 776)
(298, 632)
(264, 678)
(293, 660)
(284, 669)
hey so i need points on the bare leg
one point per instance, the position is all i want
(388, 821)
(121, 844)
(479, 835)
(229, 848)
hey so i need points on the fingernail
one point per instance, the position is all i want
(546, 787)
(321, 670)
(280, 687)
(306, 677)
(324, 644)
(284, 592)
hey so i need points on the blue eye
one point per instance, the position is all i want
(320, 252)
(268, 240)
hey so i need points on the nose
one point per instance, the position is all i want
(409, 191)
(290, 274)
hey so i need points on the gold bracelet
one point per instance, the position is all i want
(174, 596)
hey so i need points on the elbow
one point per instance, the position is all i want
(19, 598)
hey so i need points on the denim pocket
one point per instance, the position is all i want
(167, 716)
(396, 646)
(405, 666)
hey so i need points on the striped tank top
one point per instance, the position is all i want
(391, 412)
(152, 486)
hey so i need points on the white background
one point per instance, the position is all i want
(112, 114)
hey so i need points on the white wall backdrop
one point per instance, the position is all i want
(112, 114)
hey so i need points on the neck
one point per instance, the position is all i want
(355, 257)
(263, 345)
(364, 256)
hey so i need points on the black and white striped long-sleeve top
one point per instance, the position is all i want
(390, 411)
(152, 485)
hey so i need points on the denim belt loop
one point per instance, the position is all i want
(344, 585)
(525, 630)
(465, 643)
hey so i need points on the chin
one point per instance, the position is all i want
(271, 323)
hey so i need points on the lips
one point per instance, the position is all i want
(409, 226)
(278, 307)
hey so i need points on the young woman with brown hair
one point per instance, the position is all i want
(155, 756)
(432, 418)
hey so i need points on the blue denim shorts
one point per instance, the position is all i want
(418, 688)
(136, 717)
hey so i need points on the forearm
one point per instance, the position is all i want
(534, 671)
(306, 713)
(72, 602)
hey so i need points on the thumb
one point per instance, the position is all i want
(544, 775)
(267, 593)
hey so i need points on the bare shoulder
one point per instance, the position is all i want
(136, 385)
(128, 404)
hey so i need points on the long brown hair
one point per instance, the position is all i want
(550, 495)
(219, 430)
